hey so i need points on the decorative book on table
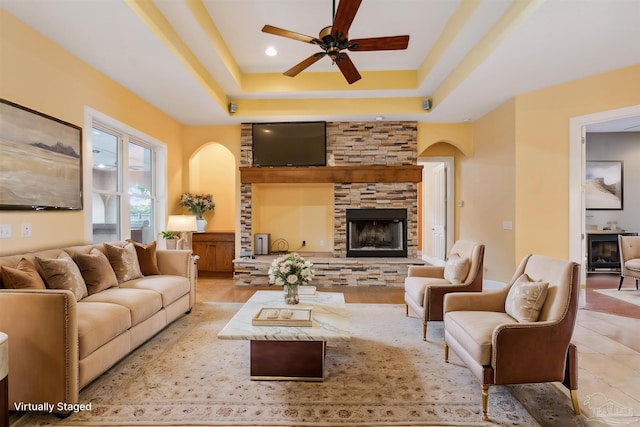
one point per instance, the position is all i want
(307, 291)
(282, 317)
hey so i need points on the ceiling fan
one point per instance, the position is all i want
(335, 38)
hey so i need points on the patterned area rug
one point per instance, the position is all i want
(632, 296)
(385, 376)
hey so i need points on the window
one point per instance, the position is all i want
(124, 193)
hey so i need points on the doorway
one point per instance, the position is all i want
(577, 160)
(437, 208)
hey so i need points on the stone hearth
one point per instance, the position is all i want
(332, 271)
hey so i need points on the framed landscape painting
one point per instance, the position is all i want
(41, 162)
(603, 185)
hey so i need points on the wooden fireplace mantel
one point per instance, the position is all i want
(331, 174)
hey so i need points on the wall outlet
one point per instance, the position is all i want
(5, 231)
(507, 225)
(26, 229)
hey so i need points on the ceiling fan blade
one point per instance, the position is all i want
(347, 10)
(296, 69)
(289, 34)
(349, 70)
(379, 43)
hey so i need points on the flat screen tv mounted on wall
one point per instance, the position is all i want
(289, 144)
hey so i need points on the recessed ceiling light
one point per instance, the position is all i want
(271, 51)
(467, 120)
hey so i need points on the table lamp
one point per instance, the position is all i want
(185, 224)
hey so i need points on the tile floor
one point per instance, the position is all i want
(606, 333)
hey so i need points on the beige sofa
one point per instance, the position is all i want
(62, 339)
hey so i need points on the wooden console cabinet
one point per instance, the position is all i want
(216, 251)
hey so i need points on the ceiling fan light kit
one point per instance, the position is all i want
(334, 39)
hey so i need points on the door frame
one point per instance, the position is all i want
(577, 162)
(450, 224)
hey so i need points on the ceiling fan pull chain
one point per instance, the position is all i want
(333, 17)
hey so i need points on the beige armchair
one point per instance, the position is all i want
(629, 258)
(425, 286)
(522, 333)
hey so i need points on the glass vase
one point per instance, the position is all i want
(291, 294)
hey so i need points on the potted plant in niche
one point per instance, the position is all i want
(171, 238)
(198, 204)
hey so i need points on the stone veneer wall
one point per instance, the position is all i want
(353, 143)
(373, 143)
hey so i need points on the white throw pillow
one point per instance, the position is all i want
(456, 269)
(525, 299)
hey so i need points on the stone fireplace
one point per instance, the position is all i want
(376, 232)
(375, 170)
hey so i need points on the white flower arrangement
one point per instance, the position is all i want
(290, 269)
(198, 204)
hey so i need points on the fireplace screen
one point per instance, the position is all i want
(376, 232)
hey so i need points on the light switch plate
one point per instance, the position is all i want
(5, 231)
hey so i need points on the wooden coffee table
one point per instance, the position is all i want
(290, 352)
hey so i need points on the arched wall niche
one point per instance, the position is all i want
(212, 169)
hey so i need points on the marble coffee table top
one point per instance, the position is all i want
(328, 314)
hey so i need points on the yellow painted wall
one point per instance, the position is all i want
(457, 134)
(213, 171)
(487, 188)
(211, 161)
(39, 74)
(295, 212)
(542, 154)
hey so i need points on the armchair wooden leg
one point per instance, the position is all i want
(406, 310)
(446, 353)
(620, 285)
(485, 401)
(574, 400)
(571, 376)
(424, 331)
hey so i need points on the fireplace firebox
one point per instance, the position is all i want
(375, 232)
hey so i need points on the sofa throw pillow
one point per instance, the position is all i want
(525, 299)
(147, 258)
(23, 276)
(63, 273)
(96, 271)
(124, 261)
(456, 269)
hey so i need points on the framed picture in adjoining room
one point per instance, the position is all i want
(603, 185)
(41, 162)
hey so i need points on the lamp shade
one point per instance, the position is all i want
(182, 223)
